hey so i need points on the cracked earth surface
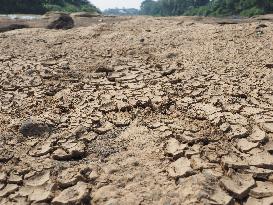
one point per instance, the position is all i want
(145, 111)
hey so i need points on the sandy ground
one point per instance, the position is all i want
(162, 111)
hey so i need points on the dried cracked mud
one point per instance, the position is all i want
(162, 111)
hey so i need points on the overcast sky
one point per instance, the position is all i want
(105, 4)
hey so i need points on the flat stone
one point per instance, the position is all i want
(181, 168)
(262, 190)
(174, 148)
(244, 145)
(239, 185)
(9, 189)
(73, 195)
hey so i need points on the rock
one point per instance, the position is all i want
(9, 189)
(180, 168)
(60, 21)
(239, 185)
(31, 128)
(77, 194)
(262, 190)
(174, 148)
(244, 145)
(38, 179)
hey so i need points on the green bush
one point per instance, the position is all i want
(42, 6)
(252, 12)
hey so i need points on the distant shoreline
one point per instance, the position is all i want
(21, 16)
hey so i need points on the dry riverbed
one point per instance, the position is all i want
(143, 111)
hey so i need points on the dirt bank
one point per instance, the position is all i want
(144, 111)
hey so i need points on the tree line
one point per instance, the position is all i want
(206, 7)
(42, 6)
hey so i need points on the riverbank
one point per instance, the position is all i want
(143, 110)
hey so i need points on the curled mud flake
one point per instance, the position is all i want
(9, 189)
(239, 185)
(42, 148)
(38, 179)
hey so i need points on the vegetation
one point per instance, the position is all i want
(42, 6)
(206, 7)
